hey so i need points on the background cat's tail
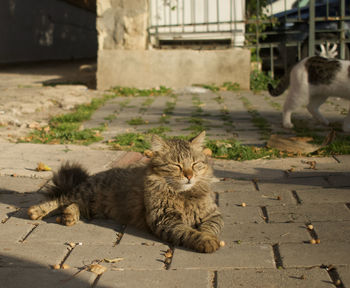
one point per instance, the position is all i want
(281, 87)
(66, 179)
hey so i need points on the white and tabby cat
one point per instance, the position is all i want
(311, 82)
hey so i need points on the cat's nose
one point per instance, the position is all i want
(188, 174)
(188, 177)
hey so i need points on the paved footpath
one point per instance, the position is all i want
(267, 239)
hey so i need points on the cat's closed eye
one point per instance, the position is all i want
(198, 165)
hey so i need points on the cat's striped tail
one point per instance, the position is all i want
(281, 87)
(65, 180)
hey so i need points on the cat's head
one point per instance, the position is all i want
(181, 163)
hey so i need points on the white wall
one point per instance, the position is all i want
(200, 13)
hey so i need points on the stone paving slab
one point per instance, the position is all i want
(256, 198)
(236, 256)
(24, 254)
(38, 276)
(308, 255)
(344, 273)
(273, 278)
(309, 213)
(92, 232)
(22, 159)
(268, 233)
(135, 257)
(236, 214)
(329, 195)
(169, 278)
(333, 231)
(15, 229)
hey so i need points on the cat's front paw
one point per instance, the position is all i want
(207, 244)
(35, 212)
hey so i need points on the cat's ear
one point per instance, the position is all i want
(198, 141)
(158, 144)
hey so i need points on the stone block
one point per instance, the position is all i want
(94, 232)
(135, 257)
(309, 255)
(236, 256)
(326, 195)
(268, 233)
(133, 236)
(38, 276)
(236, 214)
(273, 278)
(308, 212)
(15, 229)
(256, 198)
(344, 273)
(156, 278)
(333, 231)
(172, 68)
(25, 254)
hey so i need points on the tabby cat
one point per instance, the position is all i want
(312, 81)
(170, 195)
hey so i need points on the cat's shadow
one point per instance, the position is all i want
(15, 205)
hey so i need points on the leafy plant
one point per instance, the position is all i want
(259, 80)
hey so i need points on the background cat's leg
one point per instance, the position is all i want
(313, 107)
(39, 211)
(70, 214)
(213, 224)
(346, 123)
(291, 104)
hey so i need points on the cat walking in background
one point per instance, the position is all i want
(311, 82)
(170, 195)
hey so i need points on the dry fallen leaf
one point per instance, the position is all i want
(312, 164)
(292, 144)
(42, 167)
(97, 269)
(115, 260)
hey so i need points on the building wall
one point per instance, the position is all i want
(36, 30)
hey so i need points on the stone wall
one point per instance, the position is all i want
(122, 24)
(36, 30)
(126, 59)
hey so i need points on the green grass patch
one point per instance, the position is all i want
(136, 121)
(65, 128)
(169, 109)
(161, 130)
(227, 86)
(227, 149)
(128, 91)
(131, 142)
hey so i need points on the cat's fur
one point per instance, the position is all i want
(311, 82)
(170, 195)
